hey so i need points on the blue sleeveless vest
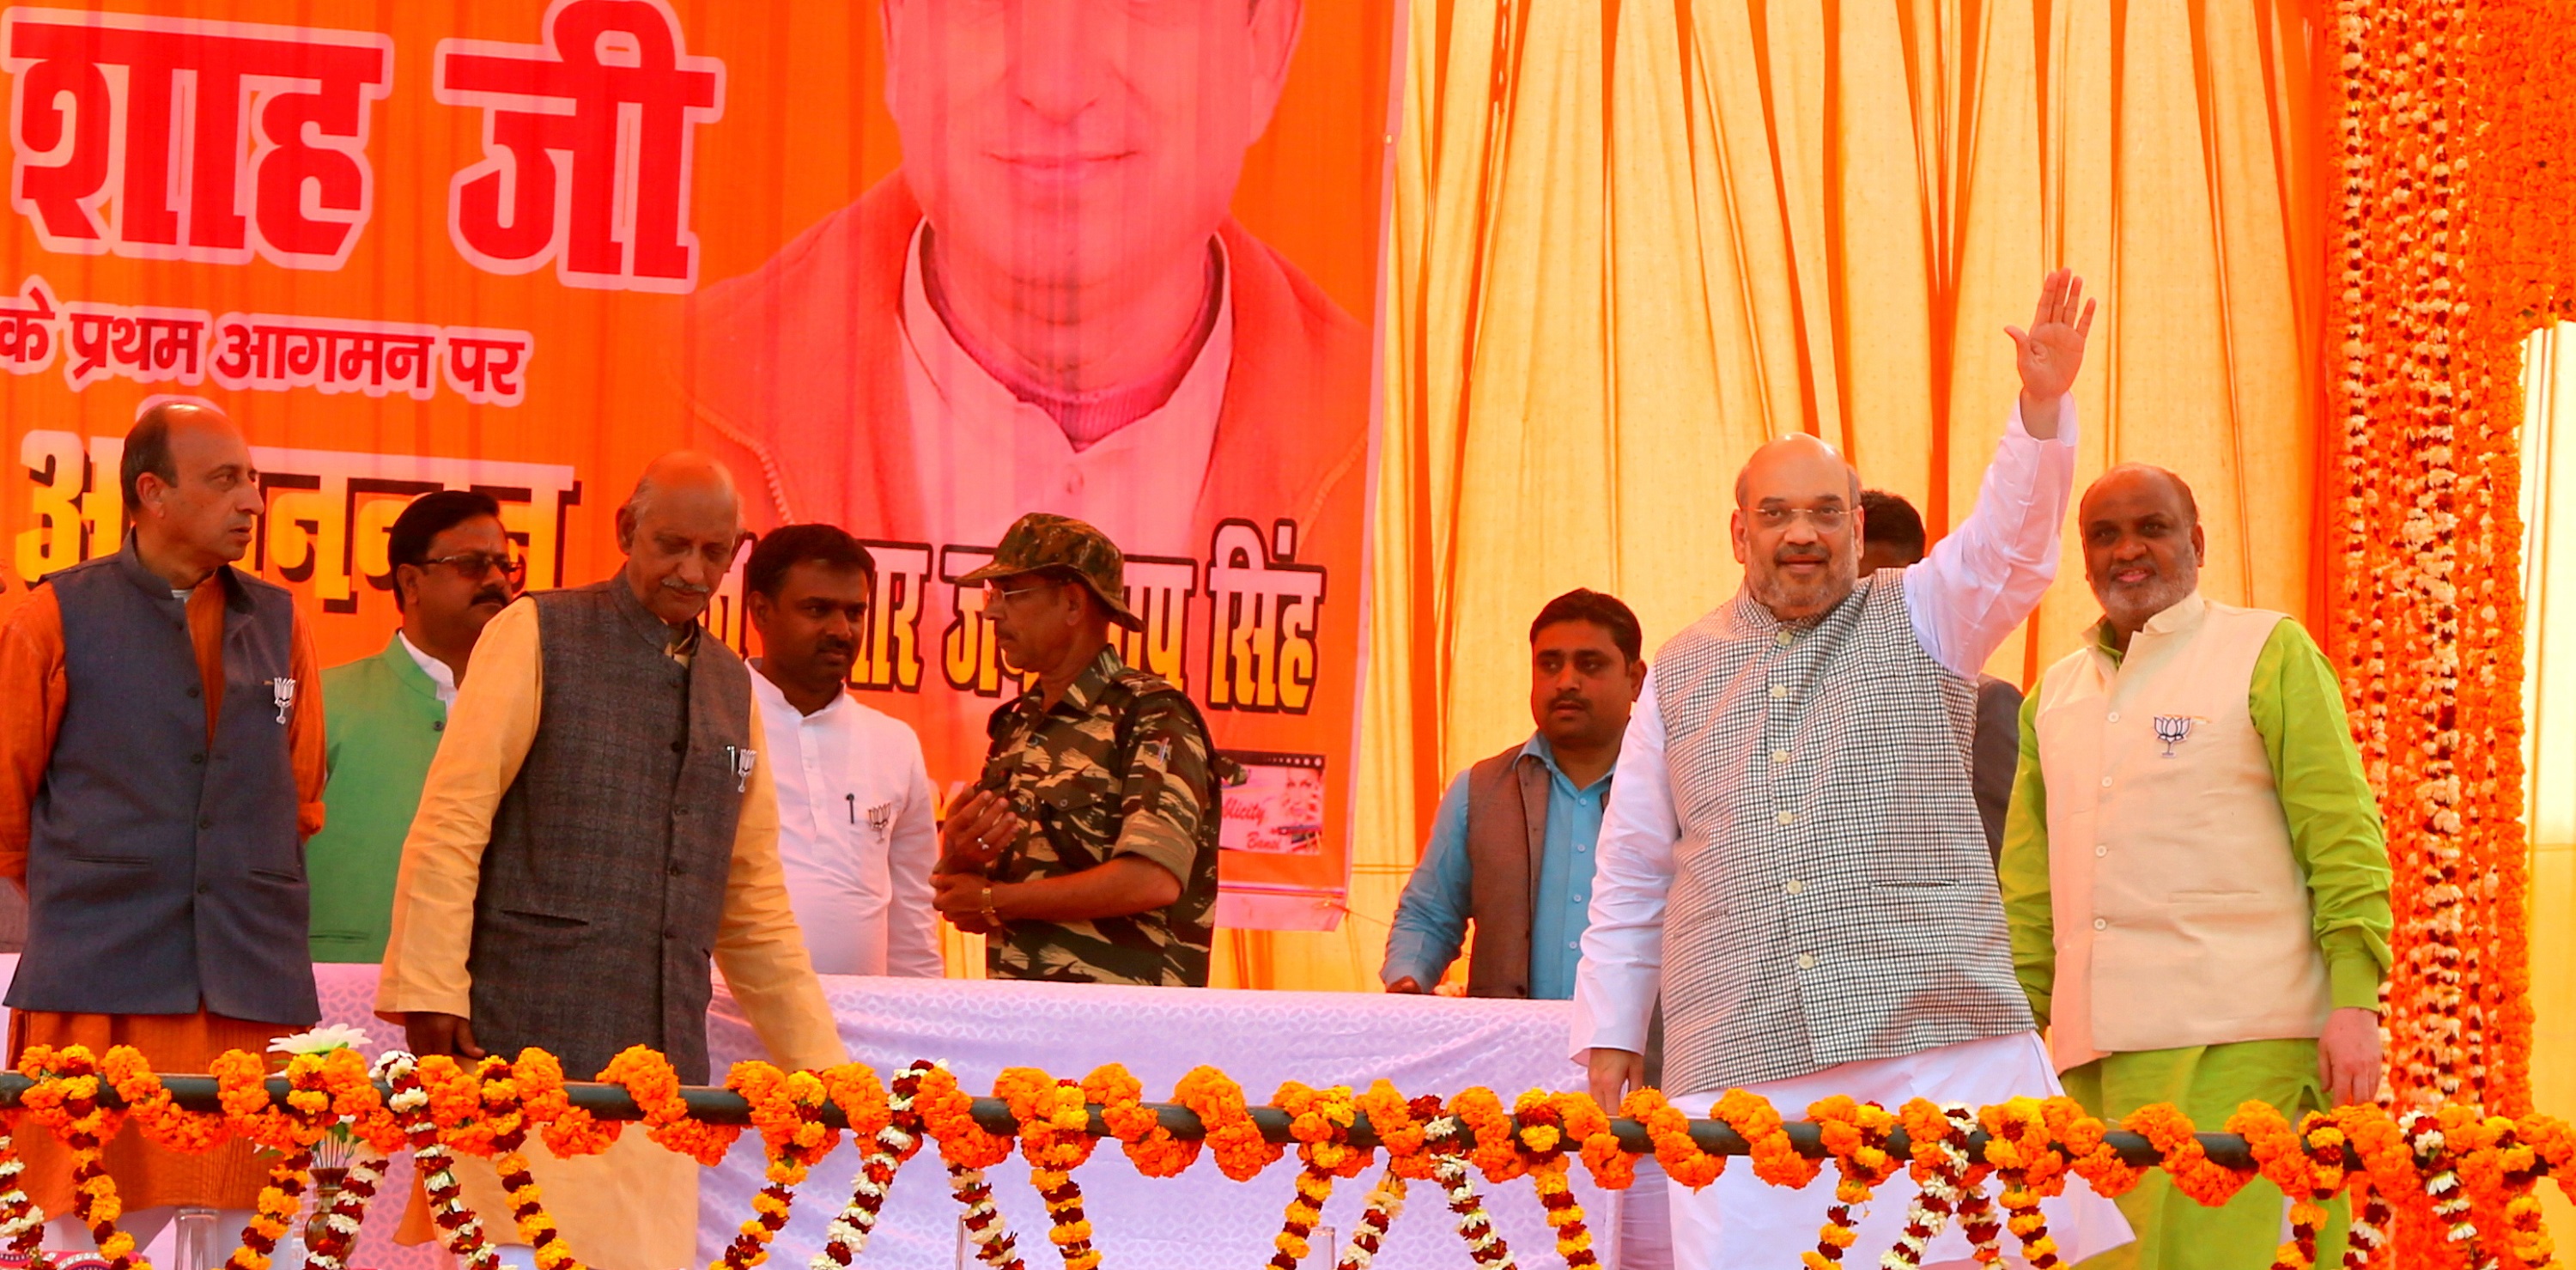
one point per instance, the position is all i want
(163, 871)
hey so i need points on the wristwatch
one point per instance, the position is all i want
(985, 909)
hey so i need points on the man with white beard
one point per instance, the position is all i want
(1792, 853)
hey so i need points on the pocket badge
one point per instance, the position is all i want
(2173, 730)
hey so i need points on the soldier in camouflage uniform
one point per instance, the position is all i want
(1087, 853)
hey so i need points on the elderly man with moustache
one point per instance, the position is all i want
(1792, 856)
(2194, 865)
(160, 765)
(598, 824)
(454, 570)
(857, 824)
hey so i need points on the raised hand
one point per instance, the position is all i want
(2051, 352)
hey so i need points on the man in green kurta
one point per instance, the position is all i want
(454, 568)
(2194, 868)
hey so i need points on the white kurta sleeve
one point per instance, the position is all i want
(1623, 947)
(1987, 575)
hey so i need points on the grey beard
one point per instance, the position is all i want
(1809, 599)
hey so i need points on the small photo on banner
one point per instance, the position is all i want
(1277, 807)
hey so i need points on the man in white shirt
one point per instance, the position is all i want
(1791, 856)
(857, 829)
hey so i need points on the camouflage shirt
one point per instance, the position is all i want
(1082, 801)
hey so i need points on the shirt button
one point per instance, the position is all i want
(1779, 691)
(2101, 851)
(1783, 638)
(205, 888)
(205, 822)
(439, 725)
(2099, 924)
(1794, 887)
(1573, 946)
(197, 759)
(2106, 782)
(1788, 817)
(2115, 716)
(1073, 481)
(670, 932)
(678, 869)
(193, 690)
(1779, 756)
(1806, 961)
(679, 747)
(1583, 846)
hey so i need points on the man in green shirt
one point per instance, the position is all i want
(454, 568)
(2193, 866)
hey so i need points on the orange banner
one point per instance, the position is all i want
(913, 269)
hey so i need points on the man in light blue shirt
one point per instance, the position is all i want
(1512, 845)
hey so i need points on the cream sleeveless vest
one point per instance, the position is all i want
(2181, 915)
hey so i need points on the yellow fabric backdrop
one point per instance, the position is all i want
(1632, 240)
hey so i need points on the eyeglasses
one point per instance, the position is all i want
(476, 564)
(1825, 519)
(994, 594)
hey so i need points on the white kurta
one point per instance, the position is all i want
(857, 835)
(1964, 600)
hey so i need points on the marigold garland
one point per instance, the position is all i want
(787, 1109)
(1385, 1204)
(1055, 1138)
(22, 1220)
(1668, 1129)
(649, 1079)
(894, 1135)
(1855, 1135)
(2470, 1172)
(1231, 1135)
(65, 1100)
(1140, 1132)
(415, 1107)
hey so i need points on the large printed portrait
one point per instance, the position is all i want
(1052, 305)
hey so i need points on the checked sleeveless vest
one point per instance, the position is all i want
(1832, 899)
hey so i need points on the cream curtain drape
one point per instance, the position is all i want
(1632, 240)
(2549, 705)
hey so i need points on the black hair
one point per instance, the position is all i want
(1887, 520)
(430, 515)
(147, 449)
(784, 548)
(1600, 609)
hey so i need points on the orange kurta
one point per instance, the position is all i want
(33, 692)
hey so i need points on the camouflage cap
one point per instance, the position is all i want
(1040, 542)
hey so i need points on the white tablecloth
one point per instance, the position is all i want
(1196, 1221)
(1200, 1219)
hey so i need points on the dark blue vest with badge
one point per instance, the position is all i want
(164, 872)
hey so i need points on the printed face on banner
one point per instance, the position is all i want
(1073, 157)
(914, 268)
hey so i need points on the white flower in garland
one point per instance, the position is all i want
(321, 1040)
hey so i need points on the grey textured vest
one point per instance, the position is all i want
(605, 878)
(1506, 842)
(1832, 900)
(164, 872)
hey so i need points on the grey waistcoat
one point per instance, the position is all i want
(605, 878)
(164, 872)
(1832, 900)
